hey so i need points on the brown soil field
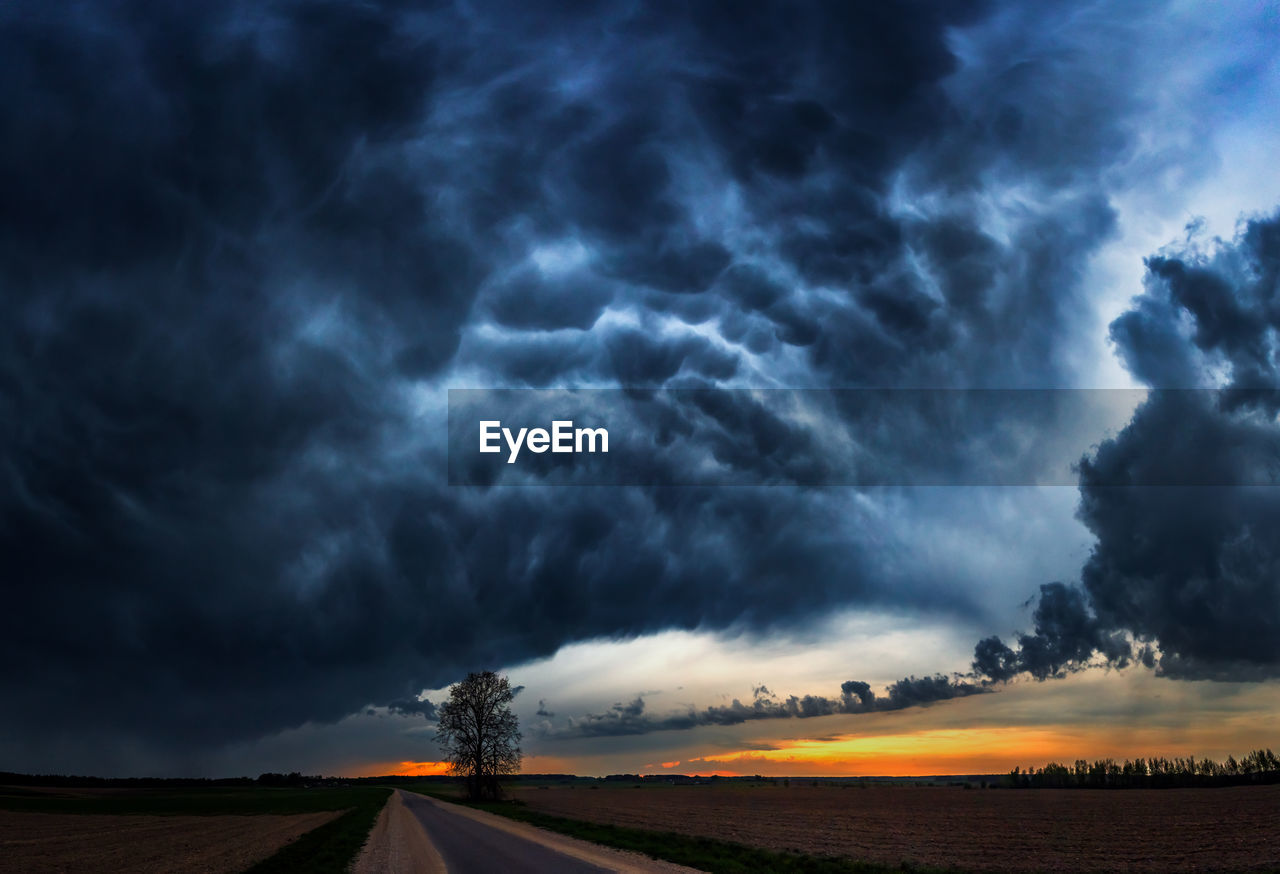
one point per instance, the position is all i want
(1169, 830)
(42, 843)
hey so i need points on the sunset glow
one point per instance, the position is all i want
(404, 769)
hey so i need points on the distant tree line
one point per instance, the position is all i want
(292, 779)
(8, 778)
(1259, 766)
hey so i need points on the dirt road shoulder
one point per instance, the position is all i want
(398, 844)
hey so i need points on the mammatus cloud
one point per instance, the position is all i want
(630, 718)
(1184, 578)
(230, 274)
(245, 248)
(1186, 572)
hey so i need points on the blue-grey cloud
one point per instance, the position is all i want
(240, 245)
(413, 707)
(1185, 570)
(631, 718)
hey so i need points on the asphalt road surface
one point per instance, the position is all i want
(469, 846)
(419, 835)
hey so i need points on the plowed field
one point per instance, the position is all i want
(1171, 830)
(36, 843)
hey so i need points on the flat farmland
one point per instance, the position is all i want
(204, 829)
(47, 842)
(1169, 830)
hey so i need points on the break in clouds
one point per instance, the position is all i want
(245, 250)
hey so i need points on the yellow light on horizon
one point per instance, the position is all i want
(928, 751)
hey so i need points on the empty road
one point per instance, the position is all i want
(419, 835)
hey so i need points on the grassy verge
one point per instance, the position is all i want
(332, 847)
(704, 854)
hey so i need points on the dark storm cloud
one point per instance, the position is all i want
(240, 245)
(528, 300)
(1204, 312)
(1191, 571)
(807, 129)
(856, 696)
(214, 255)
(1066, 636)
(1196, 569)
(413, 707)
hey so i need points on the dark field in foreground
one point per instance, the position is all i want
(206, 829)
(34, 843)
(1174, 830)
(198, 801)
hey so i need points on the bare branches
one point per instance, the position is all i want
(479, 733)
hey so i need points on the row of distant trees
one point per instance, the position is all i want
(292, 779)
(1259, 766)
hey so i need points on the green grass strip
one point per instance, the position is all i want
(331, 848)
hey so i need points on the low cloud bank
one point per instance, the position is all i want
(856, 696)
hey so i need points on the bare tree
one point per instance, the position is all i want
(479, 732)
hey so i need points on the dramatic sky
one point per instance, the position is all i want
(247, 250)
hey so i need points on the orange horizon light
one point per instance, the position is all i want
(404, 769)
